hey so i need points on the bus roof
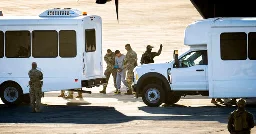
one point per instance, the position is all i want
(197, 32)
(50, 16)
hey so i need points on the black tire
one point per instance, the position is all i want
(154, 92)
(26, 99)
(11, 94)
(172, 99)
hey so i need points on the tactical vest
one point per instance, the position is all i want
(240, 121)
(147, 58)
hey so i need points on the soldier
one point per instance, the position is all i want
(148, 56)
(35, 90)
(110, 60)
(130, 62)
(240, 121)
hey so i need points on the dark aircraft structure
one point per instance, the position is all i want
(216, 8)
(225, 8)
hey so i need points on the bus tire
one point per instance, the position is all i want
(153, 95)
(11, 94)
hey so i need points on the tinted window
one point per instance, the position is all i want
(45, 44)
(194, 58)
(17, 44)
(1, 44)
(90, 40)
(233, 46)
(67, 42)
(252, 46)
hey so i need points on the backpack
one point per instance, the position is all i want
(240, 121)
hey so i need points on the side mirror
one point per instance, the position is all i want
(176, 60)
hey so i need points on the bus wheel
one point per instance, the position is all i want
(11, 94)
(153, 95)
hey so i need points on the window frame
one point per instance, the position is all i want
(29, 47)
(246, 43)
(86, 40)
(59, 46)
(33, 34)
(202, 52)
(3, 45)
(248, 46)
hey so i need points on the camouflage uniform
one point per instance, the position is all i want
(240, 121)
(35, 90)
(130, 62)
(148, 56)
(110, 60)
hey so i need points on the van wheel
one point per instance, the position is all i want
(153, 95)
(172, 99)
(11, 94)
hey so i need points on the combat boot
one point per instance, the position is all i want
(104, 90)
(129, 92)
(117, 92)
(37, 110)
(79, 95)
(61, 95)
(69, 97)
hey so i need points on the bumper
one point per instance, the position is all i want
(93, 82)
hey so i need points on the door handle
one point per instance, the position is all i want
(199, 70)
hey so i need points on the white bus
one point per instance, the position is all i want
(221, 63)
(65, 43)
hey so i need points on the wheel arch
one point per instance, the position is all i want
(153, 77)
(9, 82)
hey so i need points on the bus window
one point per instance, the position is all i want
(252, 45)
(233, 46)
(90, 40)
(45, 44)
(1, 44)
(17, 44)
(67, 43)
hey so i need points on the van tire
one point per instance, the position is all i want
(172, 99)
(11, 94)
(155, 93)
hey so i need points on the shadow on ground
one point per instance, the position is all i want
(62, 114)
(74, 113)
(184, 113)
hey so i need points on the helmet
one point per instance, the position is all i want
(241, 102)
(149, 47)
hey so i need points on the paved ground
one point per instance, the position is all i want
(111, 113)
(142, 22)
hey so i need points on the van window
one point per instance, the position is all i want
(1, 44)
(233, 46)
(194, 58)
(90, 40)
(17, 44)
(252, 46)
(45, 44)
(67, 42)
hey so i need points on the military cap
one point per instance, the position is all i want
(241, 102)
(149, 47)
(109, 51)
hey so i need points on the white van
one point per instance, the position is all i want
(65, 43)
(221, 63)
